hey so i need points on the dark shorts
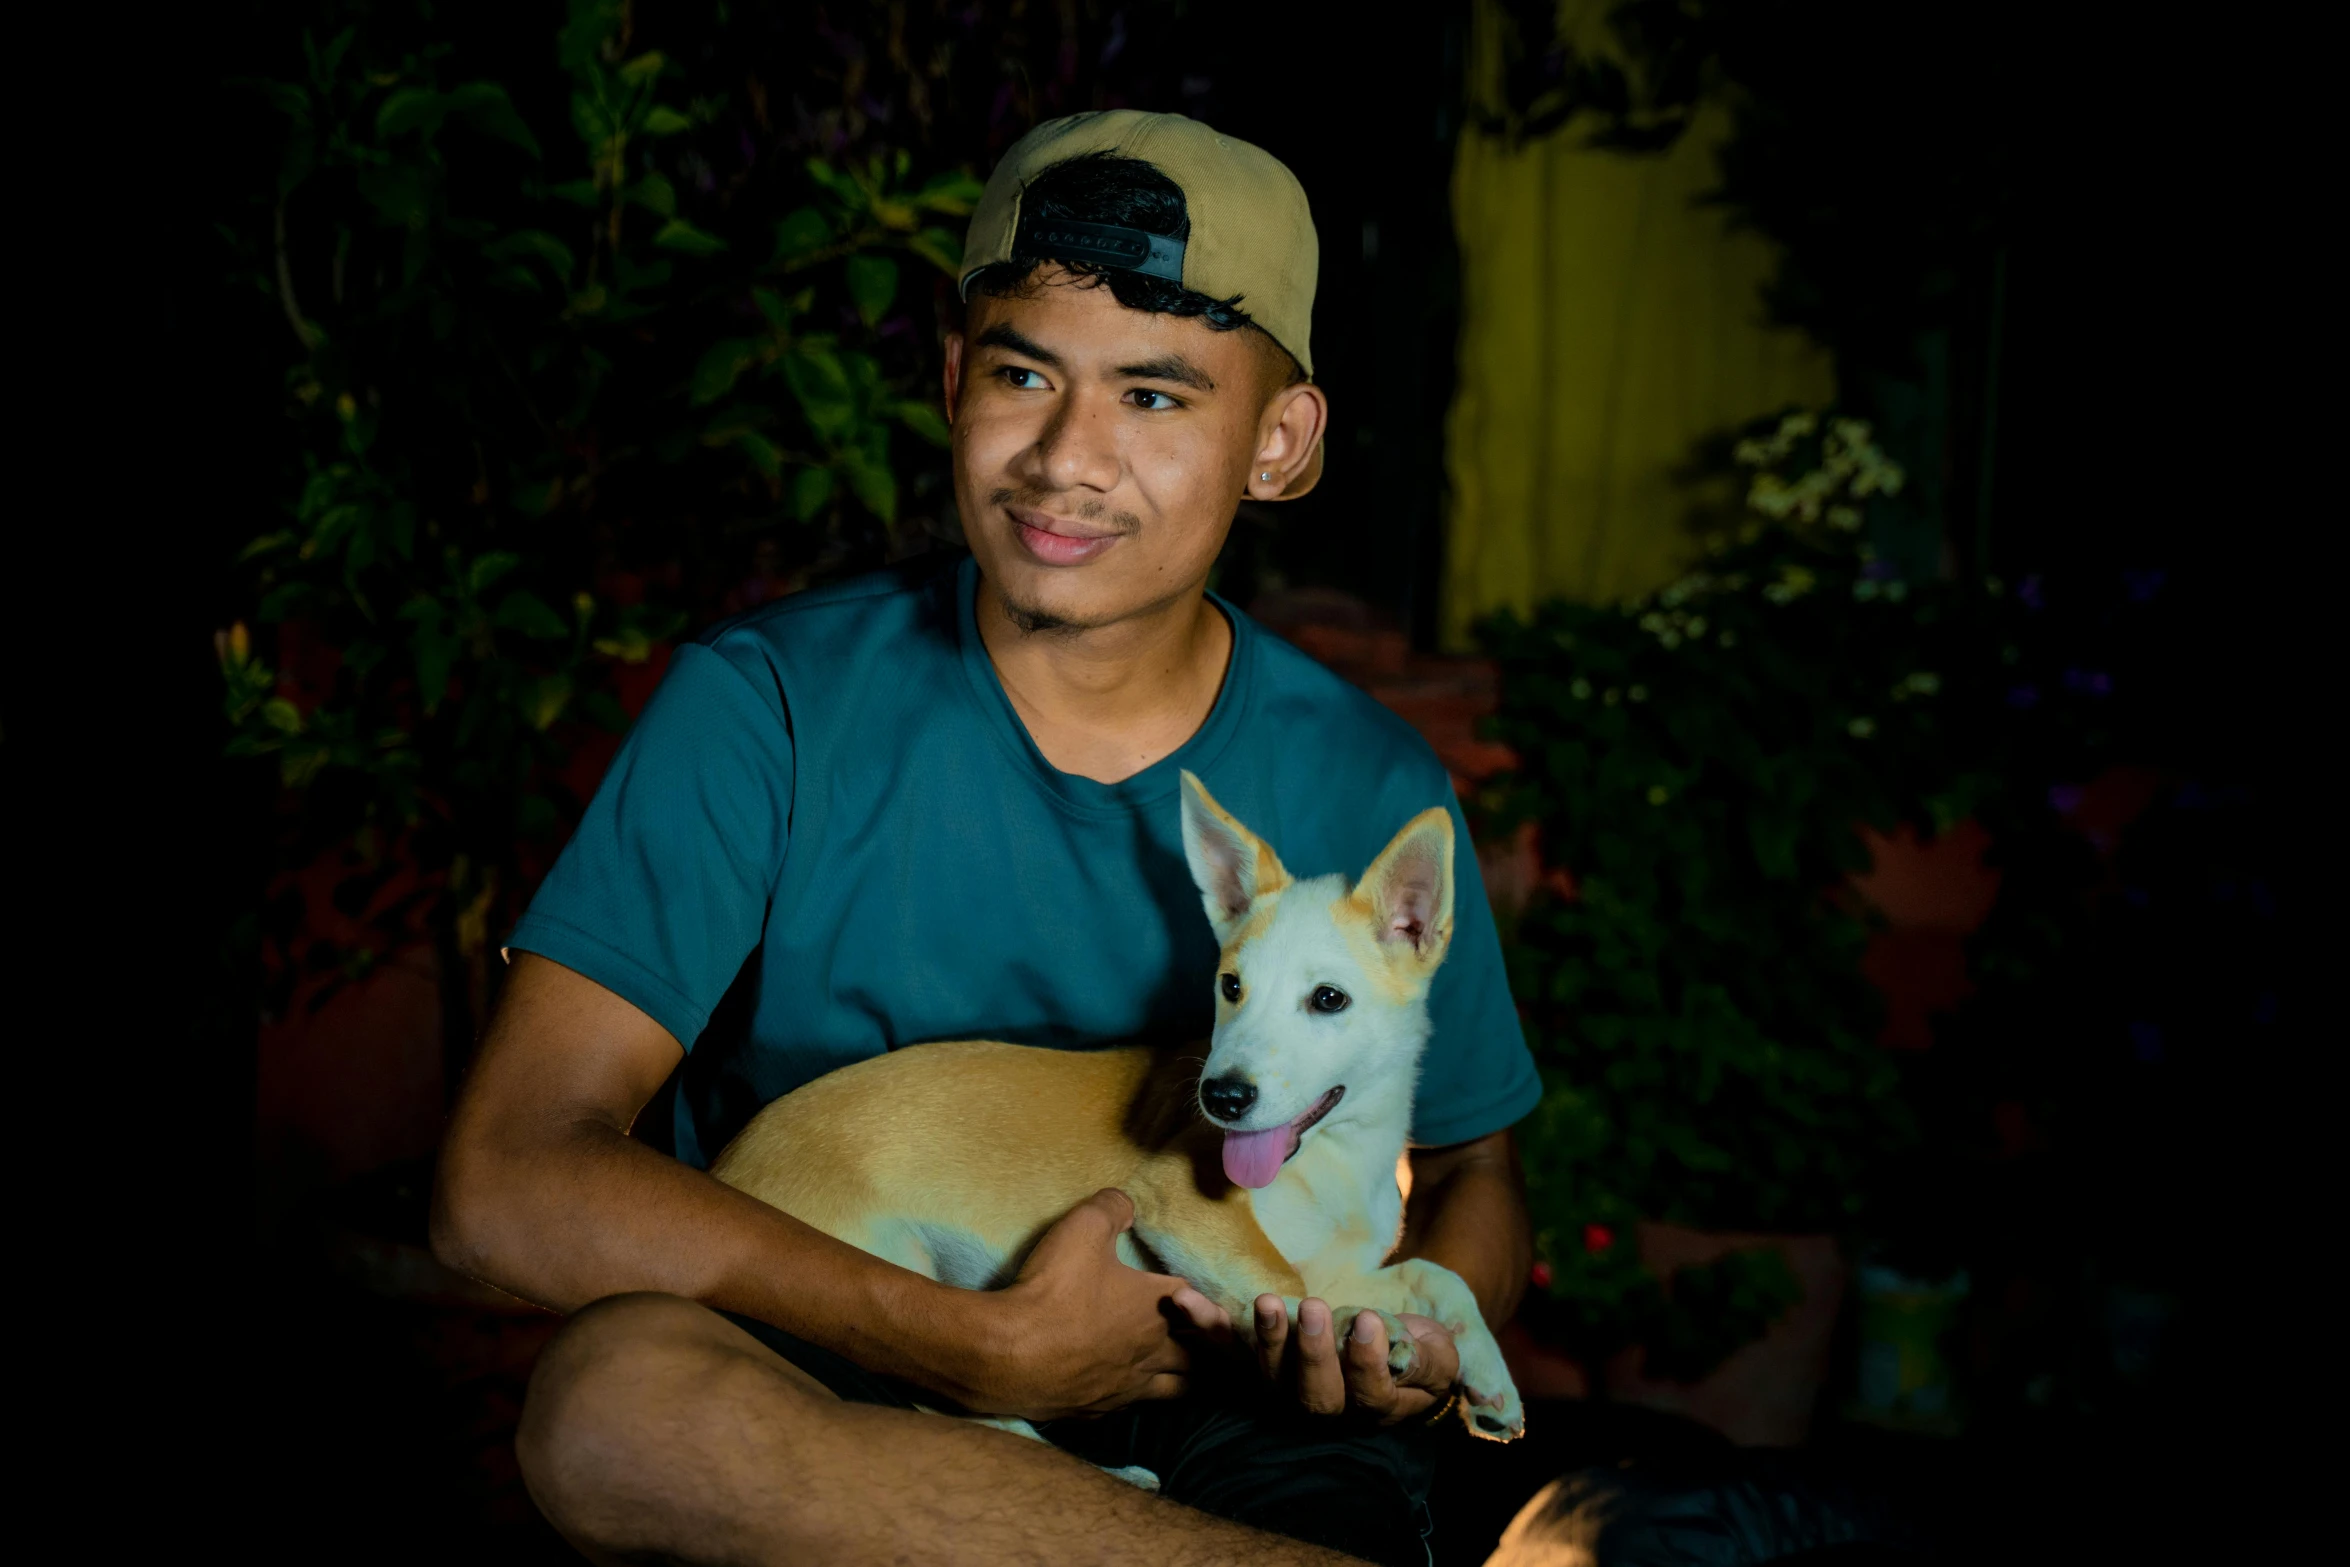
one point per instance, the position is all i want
(1230, 1449)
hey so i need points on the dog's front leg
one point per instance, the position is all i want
(1415, 1286)
(1214, 1243)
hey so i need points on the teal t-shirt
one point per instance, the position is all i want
(829, 835)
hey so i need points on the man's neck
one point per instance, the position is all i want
(1105, 702)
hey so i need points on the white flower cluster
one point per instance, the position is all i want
(1851, 469)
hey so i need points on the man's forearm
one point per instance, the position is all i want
(541, 1191)
(572, 1214)
(1468, 1211)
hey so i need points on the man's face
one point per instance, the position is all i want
(1100, 451)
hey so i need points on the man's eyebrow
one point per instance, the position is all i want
(1170, 367)
(1003, 336)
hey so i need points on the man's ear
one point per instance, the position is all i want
(1288, 460)
(1408, 890)
(953, 377)
(1232, 866)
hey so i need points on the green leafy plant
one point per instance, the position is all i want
(1701, 763)
(535, 365)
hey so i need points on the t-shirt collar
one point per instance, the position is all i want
(1089, 796)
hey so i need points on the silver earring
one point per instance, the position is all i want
(1266, 476)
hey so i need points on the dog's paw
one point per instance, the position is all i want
(1490, 1404)
(1498, 1417)
(1134, 1475)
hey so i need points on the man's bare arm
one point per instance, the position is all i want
(542, 1192)
(1468, 1211)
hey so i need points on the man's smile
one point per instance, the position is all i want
(1061, 541)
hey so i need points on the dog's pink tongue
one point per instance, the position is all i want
(1252, 1159)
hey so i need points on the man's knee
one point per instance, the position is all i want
(618, 1394)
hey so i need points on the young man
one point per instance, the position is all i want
(939, 805)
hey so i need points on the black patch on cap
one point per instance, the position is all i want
(1100, 245)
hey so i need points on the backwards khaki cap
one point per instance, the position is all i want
(1252, 234)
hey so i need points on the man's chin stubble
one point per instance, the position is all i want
(1038, 622)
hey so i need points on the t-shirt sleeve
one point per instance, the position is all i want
(1477, 1076)
(662, 893)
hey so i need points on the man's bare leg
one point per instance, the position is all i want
(656, 1430)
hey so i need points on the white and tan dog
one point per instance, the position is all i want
(952, 1159)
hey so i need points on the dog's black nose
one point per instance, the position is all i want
(1228, 1098)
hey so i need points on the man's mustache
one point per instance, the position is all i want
(1095, 510)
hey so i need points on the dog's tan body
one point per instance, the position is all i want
(952, 1159)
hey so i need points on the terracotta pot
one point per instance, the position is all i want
(1765, 1393)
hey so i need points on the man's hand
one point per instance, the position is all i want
(1079, 1332)
(1331, 1378)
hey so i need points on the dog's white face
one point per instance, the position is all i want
(1321, 997)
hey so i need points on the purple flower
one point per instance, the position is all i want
(2024, 698)
(2029, 591)
(1878, 570)
(2064, 799)
(2089, 682)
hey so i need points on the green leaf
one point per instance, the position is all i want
(811, 491)
(802, 231)
(537, 497)
(872, 483)
(679, 235)
(661, 120)
(536, 244)
(843, 187)
(761, 451)
(822, 387)
(926, 422)
(401, 193)
(940, 248)
(722, 364)
(954, 193)
(524, 611)
(774, 307)
(644, 68)
(287, 99)
(545, 700)
(435, 650)
(282, 600)
(409, 109)
(488, 568)
(282, 716)
(485, 107)
(873, 284)
(330, 59)
(580, 193)
(629, 644)
(655, 194)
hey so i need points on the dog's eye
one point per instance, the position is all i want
(1329, 998)
(1230, 984)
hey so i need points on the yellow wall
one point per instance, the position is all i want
(1608, 325)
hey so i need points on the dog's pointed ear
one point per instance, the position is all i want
(1233, 866)
(1408, 890)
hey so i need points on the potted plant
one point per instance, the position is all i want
(1702, 764)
